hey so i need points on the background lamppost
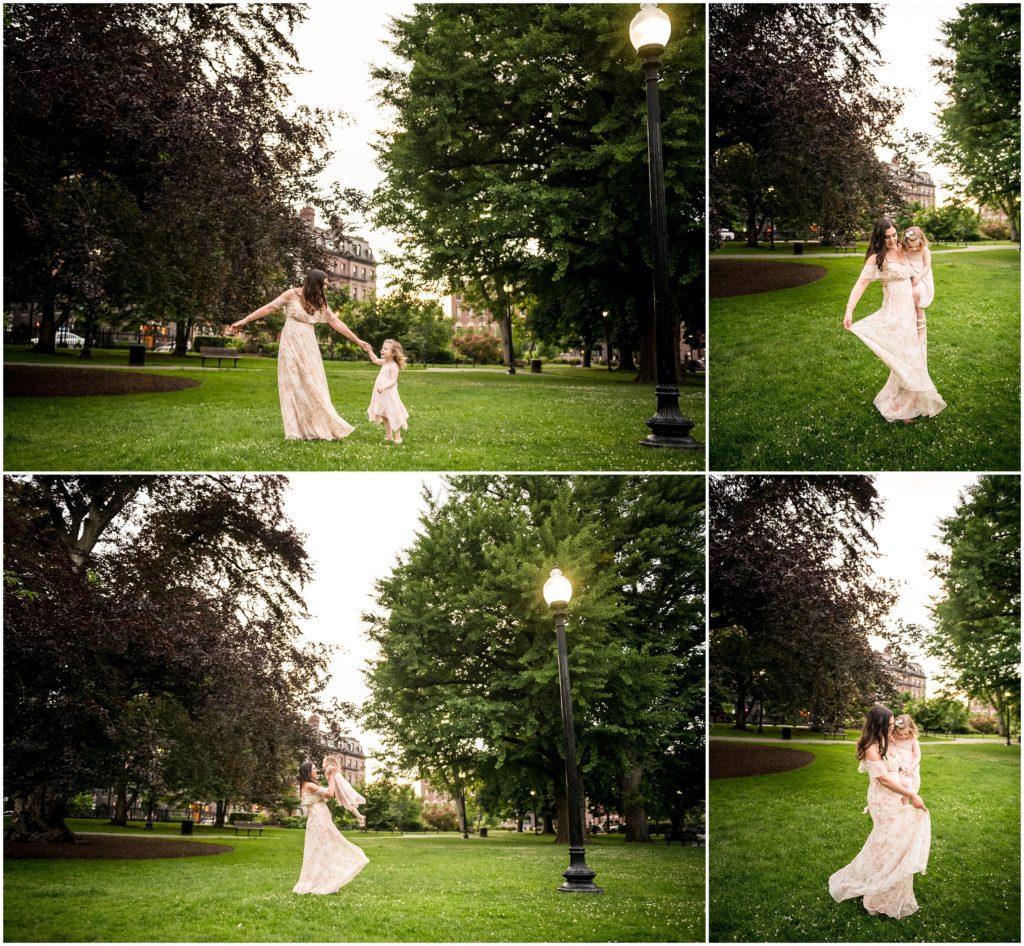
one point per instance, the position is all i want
(462, 799)
(533, 804)
(578, 877)
(649, 32)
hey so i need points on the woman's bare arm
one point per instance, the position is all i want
(892, 782)
(342, 329)
(858, 290)
(269, 308)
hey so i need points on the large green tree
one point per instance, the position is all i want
(793, 595)
(517, 166)
(977, 621)
(466, 682)
(980, 128)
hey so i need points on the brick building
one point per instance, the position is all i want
(350, 261)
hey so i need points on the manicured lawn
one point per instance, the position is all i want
(727, 730)
(415, 889)
(774, 840)
(790, 389)
(462, 419)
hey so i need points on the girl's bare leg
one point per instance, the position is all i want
(398, 435)
(387, 429)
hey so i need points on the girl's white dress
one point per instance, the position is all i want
(908, 756)
(896, 849)
(388, 405)
(328, 860)
(892, 334)
(306, 407)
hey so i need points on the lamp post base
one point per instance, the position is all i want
(578, 877)
(669, 428)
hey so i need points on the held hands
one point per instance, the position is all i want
(239, 323)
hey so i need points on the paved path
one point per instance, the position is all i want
(833, 255)
(170, 837)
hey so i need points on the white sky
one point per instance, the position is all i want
(355, 525)
(907, 41)
(908, 531)
(338, 44)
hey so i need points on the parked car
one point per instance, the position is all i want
(726, 235)
(66, 340)
(164, 348)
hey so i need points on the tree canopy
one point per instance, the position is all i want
(466, 683)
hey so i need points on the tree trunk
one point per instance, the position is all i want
(38, 816)
(752, 227)
(463, 823)
(549, 825)
(86, 351)
(519, 824)
(741, 705)
(182, 327)
(507, 348)
(222, 810)
(47, 334)
(626, 362)
(633, 805)
(120, 816)
(648, 373)
(562, 818)
(588, 343)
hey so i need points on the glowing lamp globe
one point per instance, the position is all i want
(557, 589)
(650, 29)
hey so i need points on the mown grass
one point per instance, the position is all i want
(463, 419)
(774, 840)
(415, 889)
(790, 389)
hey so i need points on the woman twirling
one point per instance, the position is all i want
(892, 332)
(306, 407)
(328, 860)
(901, 834)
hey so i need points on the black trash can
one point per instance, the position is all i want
(483, 832)
(535, 364)
(136, 354)
(798, 248)
(186, 827)
(787, 732)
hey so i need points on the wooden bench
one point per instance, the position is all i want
(248, 826)
(844, 247)
(835, 732)
(219, 354)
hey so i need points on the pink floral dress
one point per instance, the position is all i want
(387, 405)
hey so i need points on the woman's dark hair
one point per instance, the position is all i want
(313, 298)
(876, 731)
(305, 773)
(876, 243)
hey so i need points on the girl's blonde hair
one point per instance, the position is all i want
(904, 723)
(905, 245)
(397, 351)
(334, 760)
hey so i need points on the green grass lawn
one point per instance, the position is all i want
(774, 840)
(790, 389)
(739, 246)
(464, 419)
(727, 730)
(415, 889)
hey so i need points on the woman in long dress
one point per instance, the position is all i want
(306, 407)
(328, 860)
(901, 834)
(892, 332)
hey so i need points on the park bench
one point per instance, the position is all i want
(219, 354)
(248, 826)
(844, 247)
(835, 732)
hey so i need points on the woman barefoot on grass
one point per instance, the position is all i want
(306, 407)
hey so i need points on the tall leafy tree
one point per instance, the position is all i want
(980, 128)
(977, 621)
(467, 677)
(793, 594)
(518, 160)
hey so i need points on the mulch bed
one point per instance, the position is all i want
(113, 849)
(29, 381)
(741, 278)
(736, 761)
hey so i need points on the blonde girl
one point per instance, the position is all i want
(907, 752)
(386, 406)
(915, 249)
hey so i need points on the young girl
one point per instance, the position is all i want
(915, 248)
(386, 406)
(907, 751)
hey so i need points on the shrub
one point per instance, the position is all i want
(984, 724)
(210, 341)
(442, 817)
(80, 806)
(481, 349)
(293, 822)
(241, 816)
(996, 230)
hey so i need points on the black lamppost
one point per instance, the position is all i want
(578, 877)
(533, 804)
(649, 32)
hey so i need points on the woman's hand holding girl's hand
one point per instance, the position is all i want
(239, 323)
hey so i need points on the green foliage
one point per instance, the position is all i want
(292, 821)
(941, 714)
(480, 349)
(212, 341)
(442, 817)
(952, 221)
(983, 724)
(391, 807)
(981, 125)
(769, 875)
(977, 622)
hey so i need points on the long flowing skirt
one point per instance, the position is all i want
(306, 407)
(883, 872)
(329, 861)
(892, 334)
